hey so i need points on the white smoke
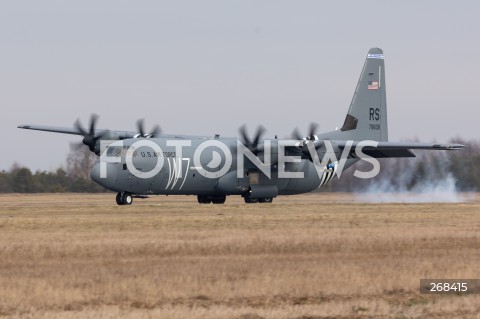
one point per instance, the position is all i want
(403, 182)
(443, 191)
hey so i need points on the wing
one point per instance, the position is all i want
(55, 129)
(75, 131)
(106, 134)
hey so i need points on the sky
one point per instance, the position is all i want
(208, 67)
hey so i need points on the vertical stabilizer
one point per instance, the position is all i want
(367, 115)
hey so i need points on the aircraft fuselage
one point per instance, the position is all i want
(205, 166)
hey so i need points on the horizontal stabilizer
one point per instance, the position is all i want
(418, 146)
(404, 145)
(376, 153)
(395, 149)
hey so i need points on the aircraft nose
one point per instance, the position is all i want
(106, 178)
(95, 173)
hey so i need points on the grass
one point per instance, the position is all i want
(310, 256)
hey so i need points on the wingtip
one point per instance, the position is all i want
(457, 146)
(23, 126)
(450, 146)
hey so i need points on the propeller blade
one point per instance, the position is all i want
(296, 135)
(311, 133)
(313, 129)
(252, 145)
(244, 135)
(260, 131)
(141, 129)
(79, 127)
(93, 122)
(156, 131)
(140, 124)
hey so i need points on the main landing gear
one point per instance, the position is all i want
(207, 199)
(250, 200)
(124, 198)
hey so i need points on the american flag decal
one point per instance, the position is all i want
(373, 85)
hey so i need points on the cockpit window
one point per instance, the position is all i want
(115, 151)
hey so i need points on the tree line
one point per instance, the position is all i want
(72, 179)
(22, 180)
(429, 171)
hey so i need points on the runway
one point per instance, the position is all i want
(310, 256)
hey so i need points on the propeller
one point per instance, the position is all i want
(311, 137)
(252, 144)
(311, 133)
(89, 137)
(141, 131)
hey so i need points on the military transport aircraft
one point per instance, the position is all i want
(138, 164)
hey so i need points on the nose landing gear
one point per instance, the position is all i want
(124, 198)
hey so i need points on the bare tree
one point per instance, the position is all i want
(80, 162)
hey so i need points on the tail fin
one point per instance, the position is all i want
(367, 115)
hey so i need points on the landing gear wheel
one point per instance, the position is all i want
(124, 198)
(266, 200)
(219, 199)
(250, 200)
(127, 199)
(118, 199)
(204, 199)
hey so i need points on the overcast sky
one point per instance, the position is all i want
(206, 67)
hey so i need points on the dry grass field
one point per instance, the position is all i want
(311, 257)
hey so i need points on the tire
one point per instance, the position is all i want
(249, 200)
(127, 199)
(266, 200)
(204, 199)
(219, 199)
(118, 199)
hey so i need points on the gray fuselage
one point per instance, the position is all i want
(204, 166)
